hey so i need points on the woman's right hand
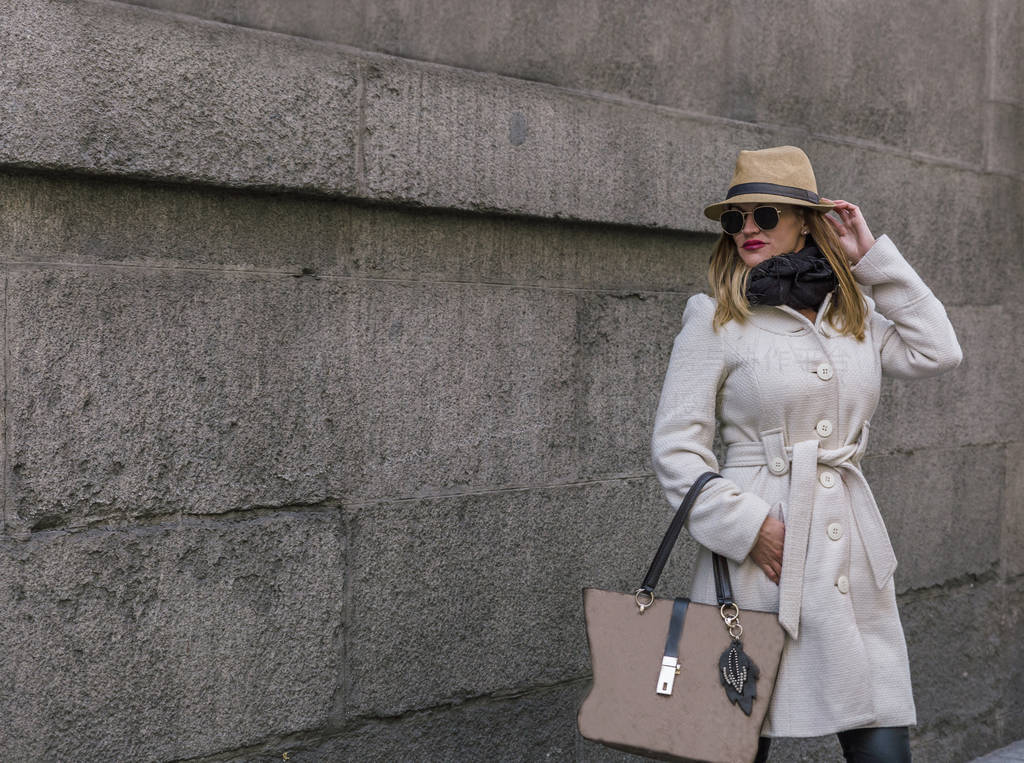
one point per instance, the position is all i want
(767, 550)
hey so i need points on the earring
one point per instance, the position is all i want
(804, 232)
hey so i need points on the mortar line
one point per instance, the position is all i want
(966, 580)
(309, 737)
(496, 696)
(119, 523)
(100, 266)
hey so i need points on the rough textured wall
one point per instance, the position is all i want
(332, 338)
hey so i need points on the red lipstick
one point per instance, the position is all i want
(754, 243)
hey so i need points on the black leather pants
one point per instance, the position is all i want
(889, 744)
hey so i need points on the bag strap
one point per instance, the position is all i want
(723, 583)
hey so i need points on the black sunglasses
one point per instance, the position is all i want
(765, 218)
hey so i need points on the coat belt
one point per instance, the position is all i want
(805, 457)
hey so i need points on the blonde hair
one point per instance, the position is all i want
(728, 275)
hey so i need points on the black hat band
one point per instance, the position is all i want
(778, 190)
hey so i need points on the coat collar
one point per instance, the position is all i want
(783, 319)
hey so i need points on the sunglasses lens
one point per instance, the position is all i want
(766, 218)
(732, 221)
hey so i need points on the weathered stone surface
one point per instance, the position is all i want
(625, 342)
(540, 725)
(1007, 126)
(135, 392)
(161, 361)
(964, 406)
(432, 245)
(942, 507)
(446, 137)
(1006, 62)
(869, 71)
(50, 218)
(1012, 623)
(956, 663)
(959, 742)
(452, 138)
(173, 641)
(934, 213)
(113, 89)
(1012, 509)
(464, 596)
(203, 392)
(455, 387)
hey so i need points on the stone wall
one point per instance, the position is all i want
(333, 332)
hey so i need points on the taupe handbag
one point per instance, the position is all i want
(678, 680)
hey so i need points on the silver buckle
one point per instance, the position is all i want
(667, 676)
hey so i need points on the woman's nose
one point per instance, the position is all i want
(749, 226)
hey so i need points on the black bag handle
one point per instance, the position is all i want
(723, 583)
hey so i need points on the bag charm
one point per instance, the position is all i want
(739, 673)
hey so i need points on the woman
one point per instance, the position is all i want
(787, 356)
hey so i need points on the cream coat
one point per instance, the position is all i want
(793, 400)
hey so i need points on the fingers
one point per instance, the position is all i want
(839, 228)
(846, 211)
(773, 571)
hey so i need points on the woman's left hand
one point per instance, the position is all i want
(853, 231)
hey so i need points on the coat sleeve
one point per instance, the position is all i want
(724, 518)
(908, 323)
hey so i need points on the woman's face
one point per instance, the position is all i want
(756, 245)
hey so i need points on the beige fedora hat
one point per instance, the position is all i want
(782, 174)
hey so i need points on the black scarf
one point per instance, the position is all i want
(798, 279)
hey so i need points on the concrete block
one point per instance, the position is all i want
(51, 218)
(1005, 62)
(176, 98)
(134, 392)
(1012, 530)
(450, 138)
(454, 387)
(964, 406)
(935, 214)
(868, 71)
(1004, 144)
(625, 342)
(1012, 623)
(432, 245)
(958, 653)
(538, 725)
(108, 88)
(956, 743)
(105, 220)
(170, 641)
(438, 615)
(897, 76)
(328, 20)
(942, 507)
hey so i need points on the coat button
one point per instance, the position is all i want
(824, 372)
(777, 465)
(835, 531)
(827, 479)
(843, 584)
(823, 428)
